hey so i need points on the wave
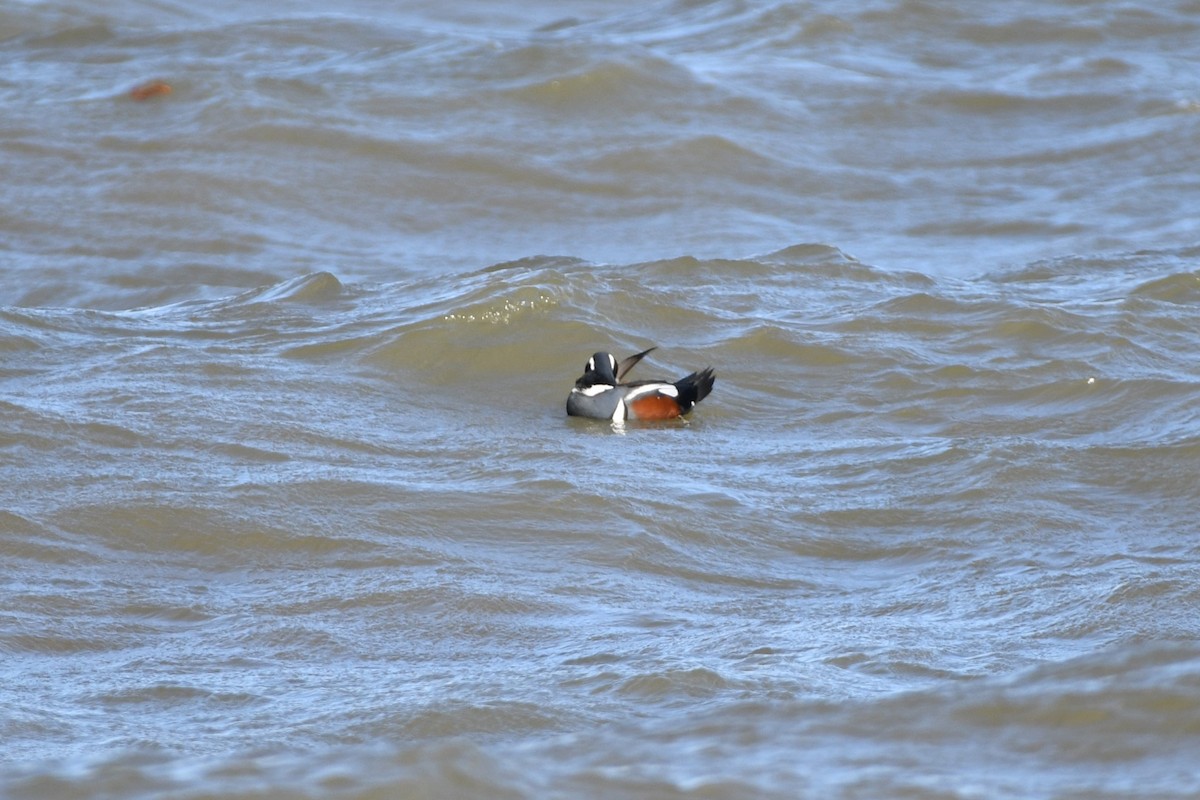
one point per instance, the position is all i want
(790, 306)
(876, 386)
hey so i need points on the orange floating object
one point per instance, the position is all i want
(151, 89)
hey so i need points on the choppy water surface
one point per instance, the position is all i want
(290, 504)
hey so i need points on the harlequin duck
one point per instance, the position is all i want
(599, 393)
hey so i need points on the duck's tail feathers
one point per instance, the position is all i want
(695, 387)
